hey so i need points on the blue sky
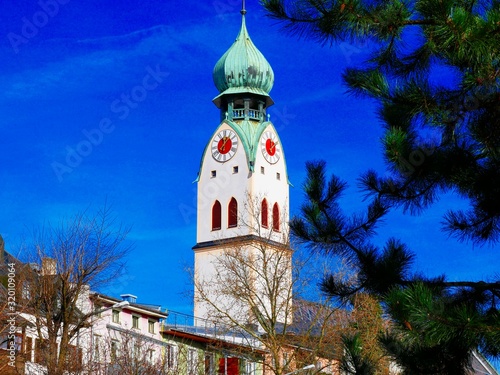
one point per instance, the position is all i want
(107, 102)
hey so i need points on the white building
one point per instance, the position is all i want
(124, 333)
(112, 334)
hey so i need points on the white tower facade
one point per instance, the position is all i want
(243, 188)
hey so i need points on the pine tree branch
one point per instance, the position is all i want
(479, 285)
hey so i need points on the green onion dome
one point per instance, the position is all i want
(243, 68)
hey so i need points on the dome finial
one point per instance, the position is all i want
(243, 10)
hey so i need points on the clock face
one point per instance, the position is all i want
(224, 145)
(270, 147)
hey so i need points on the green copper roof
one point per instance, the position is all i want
(243, 68)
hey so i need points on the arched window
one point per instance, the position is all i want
(216, 216)
(264, 214)
(276, 218)
(232, 213)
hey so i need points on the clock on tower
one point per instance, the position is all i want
(224, 145)
(270, 147)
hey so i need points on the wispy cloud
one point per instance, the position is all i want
(102, 65)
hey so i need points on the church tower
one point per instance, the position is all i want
(242, 182)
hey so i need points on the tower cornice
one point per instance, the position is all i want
(239, 240)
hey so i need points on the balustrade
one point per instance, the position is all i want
(253, 114)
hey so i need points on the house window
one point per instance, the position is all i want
(97, 310)
(74, 359)
(278, 176)
(232, 213)
(276, 218)
(97, 347)
(151, 326)
(28, 347)
(6, 339)
(26, 292)
(170, 356)
(229, 366)
(286, 362)
(137, 351)
(213, 174)
(192, 359)
(151, 355)
(41, 351)
(264, 214)
(135, 322)
(209, 364)
(250, 367)
(115, 316)
(114, 350)
(235, 169)
(262, 170)
(216, 216)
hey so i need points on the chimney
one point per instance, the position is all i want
(49, 267)
(129, 297)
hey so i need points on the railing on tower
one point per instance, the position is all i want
(253, 114)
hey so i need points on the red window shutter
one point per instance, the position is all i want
(232, 213)
(216, 216)
(233, 366)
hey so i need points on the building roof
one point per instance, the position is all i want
(203, 339)
(5, 257)
(481, 366)
(151, 310)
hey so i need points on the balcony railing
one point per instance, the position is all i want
(205, 327)
(253, 114)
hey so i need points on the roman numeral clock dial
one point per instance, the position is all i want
(270, 147)
(224, 145)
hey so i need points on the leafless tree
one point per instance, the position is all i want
(66, 261)
(127, 353)
(255, 289)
